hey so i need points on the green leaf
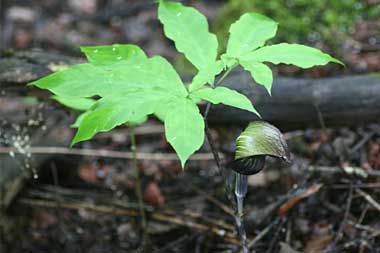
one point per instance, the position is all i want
(250, 32)
(206, 75)
(80, 104)
(299, 55)
(188, 28)
(261, 73)
(115, 110)
(79, 119)
(229, 61)
(184, 128)
(87, 80)
(81, 80)
(137, 121)
(225, 96)
(155, 72)
(105, 55)
(163, 108)
(133, 122)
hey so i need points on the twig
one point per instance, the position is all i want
(58, 200)
(106, 153)
(353, 243)
(362, 227)
(172, 245)
(196, 226)
(215, 201)
(262, 233)
(346, 214)
(350, 170)
(363, 214)
(226, 236)
(288, 232)
(219, 223)
(368, 197)
(360, 185)
(276, 235)
(358, 145)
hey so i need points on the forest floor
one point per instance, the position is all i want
(83, 200)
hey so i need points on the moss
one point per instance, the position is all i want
(302, 21)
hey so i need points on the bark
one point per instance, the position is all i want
(297, 103)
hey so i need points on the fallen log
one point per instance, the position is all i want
(298, 103)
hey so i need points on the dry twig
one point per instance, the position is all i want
(368, 197)
(106, 153)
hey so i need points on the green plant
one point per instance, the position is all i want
(132, 86)
(259, 140)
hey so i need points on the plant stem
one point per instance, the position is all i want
(208, 134)
(138, 181)
(241, 185)
(224, 76)
(207, 110)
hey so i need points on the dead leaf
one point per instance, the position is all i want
(286, 248)
(284, 208)
(153, 195)
(320, 239)
(88, 173)
(43, 219)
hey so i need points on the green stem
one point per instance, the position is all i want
(216, 84)
(224, 75)
(208, 135)
(138, 180)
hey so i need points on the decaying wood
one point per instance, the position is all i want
(297, 103)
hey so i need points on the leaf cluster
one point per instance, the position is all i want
(132, 86)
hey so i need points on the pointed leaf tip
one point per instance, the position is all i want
(261, 73)
(189, 30)
(184, 128)
(224, 95)
(251, 31)
(295, 54)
